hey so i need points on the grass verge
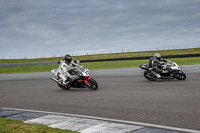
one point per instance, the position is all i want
(106, 56)
(96, 65)
(14, 126)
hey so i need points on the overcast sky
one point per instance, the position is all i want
(33, 28)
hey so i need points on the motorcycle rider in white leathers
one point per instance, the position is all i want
(63, 69)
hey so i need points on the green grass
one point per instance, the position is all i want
(135, 63)
(96, 65)
(13, 126)
(28, 69)
(106, 56)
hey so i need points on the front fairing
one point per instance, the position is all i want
(85, 72)
(174, 66)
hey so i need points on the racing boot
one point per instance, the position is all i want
(158, 76)
(155, 75)
(66, 82)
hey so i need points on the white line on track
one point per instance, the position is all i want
(113, 120)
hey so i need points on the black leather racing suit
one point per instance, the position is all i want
(153, 64)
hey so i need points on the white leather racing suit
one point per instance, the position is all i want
(63, 71)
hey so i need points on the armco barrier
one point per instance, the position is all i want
(28, 64)
(100, 60)
(142, 58)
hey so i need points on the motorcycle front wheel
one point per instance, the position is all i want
(93, 84)
(181, 76)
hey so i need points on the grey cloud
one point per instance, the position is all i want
(79, 26)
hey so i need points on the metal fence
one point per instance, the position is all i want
(99, 60)
(107, 52)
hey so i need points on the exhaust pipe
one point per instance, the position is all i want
(54, 79)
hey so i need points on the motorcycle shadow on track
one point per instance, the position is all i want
(72, 89)
(166, 80)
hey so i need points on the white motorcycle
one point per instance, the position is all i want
(83, 79)
(170, 70)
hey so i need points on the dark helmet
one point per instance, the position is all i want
(157, 56)
(68, 58)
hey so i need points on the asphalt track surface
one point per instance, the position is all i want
(122, 94)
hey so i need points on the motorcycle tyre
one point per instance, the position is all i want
(93, 84)
(145, 75)
(181, 76)
(64, 88)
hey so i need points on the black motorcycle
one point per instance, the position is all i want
(171, 70)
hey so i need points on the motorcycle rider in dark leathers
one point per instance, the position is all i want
(153, 65)
(64, 67)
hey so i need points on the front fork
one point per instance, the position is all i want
(175, 74)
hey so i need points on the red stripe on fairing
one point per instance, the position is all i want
(88, 78)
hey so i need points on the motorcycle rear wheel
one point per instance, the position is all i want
(93, 84)
(145, 75)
